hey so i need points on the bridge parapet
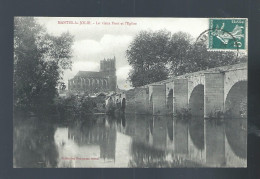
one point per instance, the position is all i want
(157, 99)
(204, 91)
(142, 100)
(213, 94)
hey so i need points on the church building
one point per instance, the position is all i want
(93, 82)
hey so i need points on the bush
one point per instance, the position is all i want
(75, 107)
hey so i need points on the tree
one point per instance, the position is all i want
(39, 61)
(143, 77)
(188, 55)
(179, 48)
(147, 55)
(156, 55)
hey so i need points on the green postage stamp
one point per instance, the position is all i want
(227, 34)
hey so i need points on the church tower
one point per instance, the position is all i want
(108, 67)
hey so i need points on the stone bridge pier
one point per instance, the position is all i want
(209, 93)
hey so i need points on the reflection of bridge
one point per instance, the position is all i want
(204, 93)
(139, 137)
(208, 143)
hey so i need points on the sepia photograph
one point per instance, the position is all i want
(92, 92)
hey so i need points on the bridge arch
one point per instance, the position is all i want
(236, 100)
(123, 104)
(170, 101)
(151, 103)
(193, 82)
(232, 77)
(196, 101)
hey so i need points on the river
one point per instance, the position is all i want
(129, 141)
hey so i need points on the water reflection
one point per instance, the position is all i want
(236, 134)
(132, 141)
(33, 144)
(214, 143)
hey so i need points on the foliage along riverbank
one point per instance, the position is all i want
(39, 62)
(82, 107)
(73, 107)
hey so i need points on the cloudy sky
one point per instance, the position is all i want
(99, 38)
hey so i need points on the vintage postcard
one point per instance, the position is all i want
(130, 92)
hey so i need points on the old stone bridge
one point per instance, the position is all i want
(204, 94)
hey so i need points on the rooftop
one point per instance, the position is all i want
(93, 74)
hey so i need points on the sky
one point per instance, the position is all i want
(99, 38)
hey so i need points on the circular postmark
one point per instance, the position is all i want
(203, 38)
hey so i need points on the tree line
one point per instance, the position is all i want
(39, 62)
(157, 55)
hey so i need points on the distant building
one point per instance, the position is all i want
(93, 82)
